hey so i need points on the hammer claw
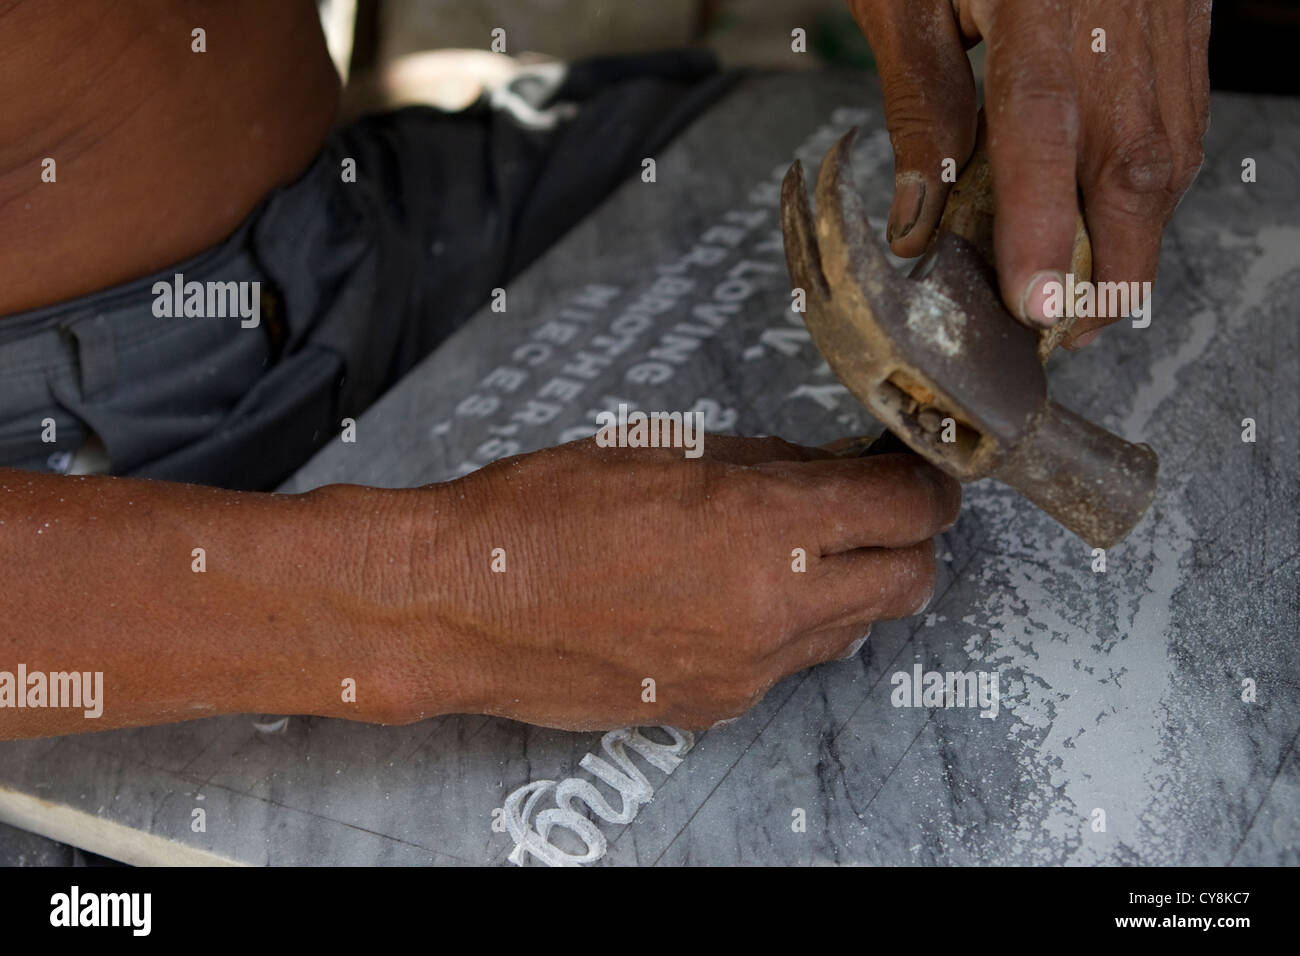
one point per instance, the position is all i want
(940, 361)
(803, 256)
(851, 252)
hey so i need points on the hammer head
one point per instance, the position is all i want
(937, 358)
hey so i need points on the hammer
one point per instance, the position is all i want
(937, 358)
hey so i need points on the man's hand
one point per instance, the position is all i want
(627, 565)
(386, 605)
(1124, 125)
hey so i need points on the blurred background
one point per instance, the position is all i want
(385, 47)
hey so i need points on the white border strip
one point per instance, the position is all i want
(99, 835)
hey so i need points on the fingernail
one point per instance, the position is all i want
(854, 648)
(909, 197)
(1034, 303)
(1085, 339)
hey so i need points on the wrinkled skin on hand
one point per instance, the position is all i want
(627, 564)
(1122, 127)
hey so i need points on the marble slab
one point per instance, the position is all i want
(1121, 692)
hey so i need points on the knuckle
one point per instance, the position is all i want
(1045, 122)
(1039, 91)
(1038, 102)
(1142, 163)
(1038, 143)
(758, 692)
(739, 704)
(728, 701)
(778, 448)
(911, 110)
(741, 696)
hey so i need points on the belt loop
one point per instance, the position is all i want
(96, 353)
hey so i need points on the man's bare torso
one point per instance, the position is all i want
(159, 151)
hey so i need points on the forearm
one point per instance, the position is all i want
(290, 596)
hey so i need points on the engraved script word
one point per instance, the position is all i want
(626, 778)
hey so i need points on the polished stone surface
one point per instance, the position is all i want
(1121, 692)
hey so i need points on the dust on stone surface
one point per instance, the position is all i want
(1123, 687)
